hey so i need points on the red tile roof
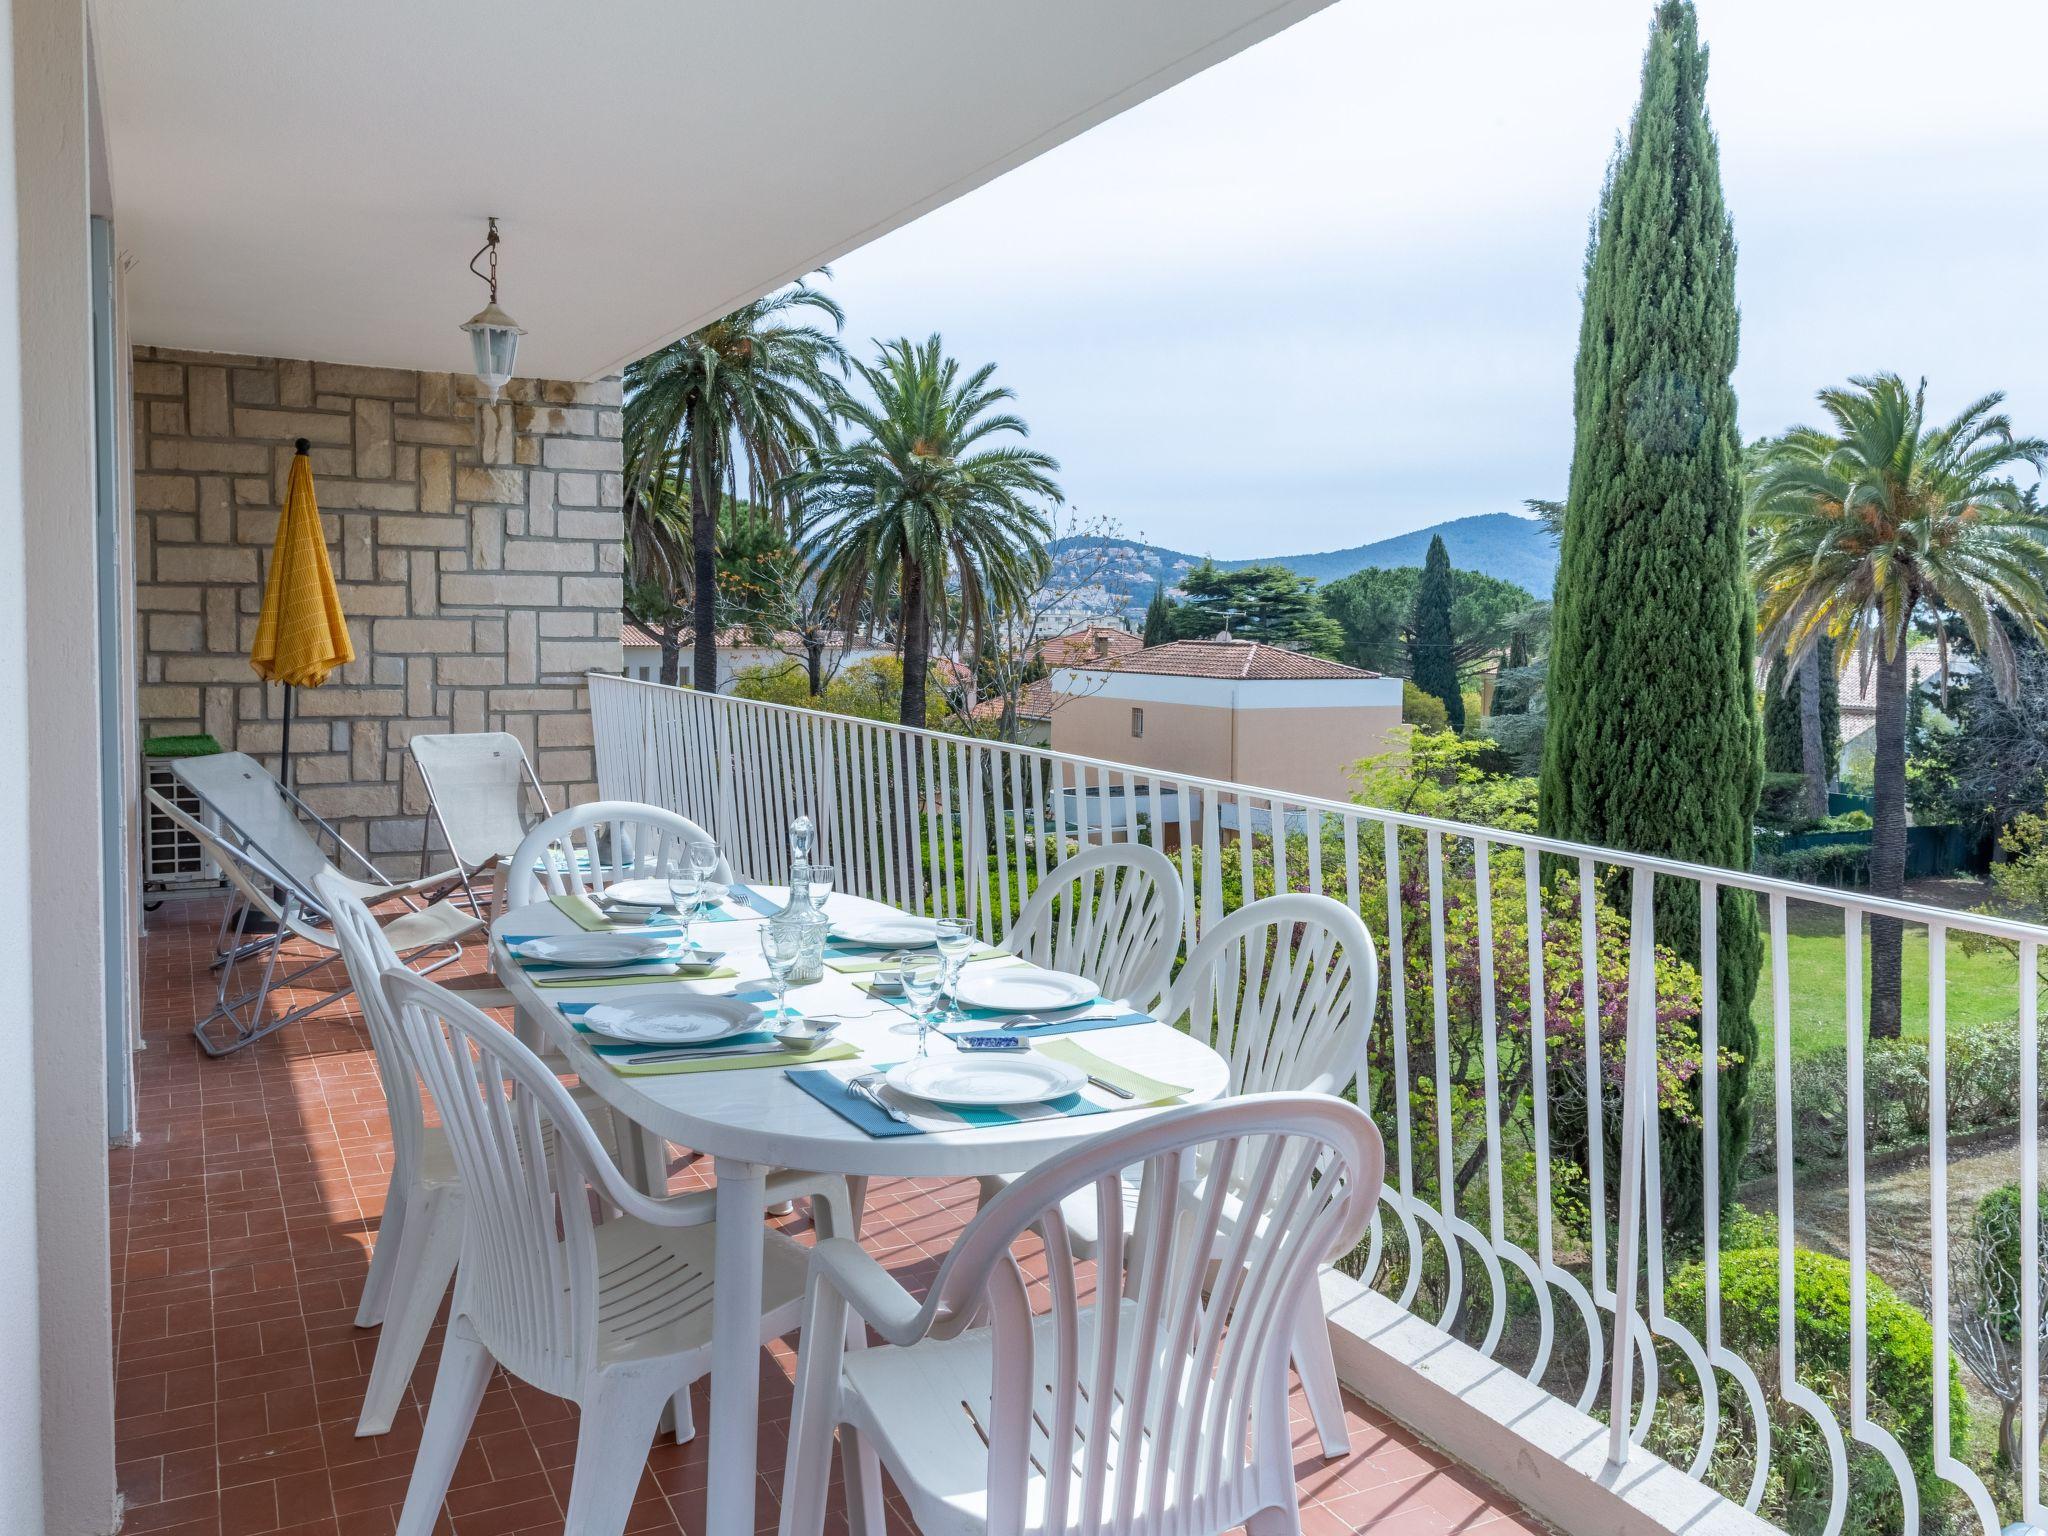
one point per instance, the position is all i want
(1248, 660)
(1034, 703)
(1082, 647)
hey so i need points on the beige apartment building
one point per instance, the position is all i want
(1233, 710)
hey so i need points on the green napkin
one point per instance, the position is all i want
(839, 1050)
(584, 913)
(861, 964)
(1147, 1090)
(720, 973)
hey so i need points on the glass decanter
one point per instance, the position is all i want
(804, 916)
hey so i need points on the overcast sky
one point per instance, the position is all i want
(1328, 291)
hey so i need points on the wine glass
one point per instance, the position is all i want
(955, 944)
(685, 889)
(782, 949)
(703, 857)
(922, 979)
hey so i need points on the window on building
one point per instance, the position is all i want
(1137, 722)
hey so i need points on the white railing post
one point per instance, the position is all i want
(1638, 1073)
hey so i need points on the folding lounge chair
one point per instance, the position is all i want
(477, 784)
(274, 862)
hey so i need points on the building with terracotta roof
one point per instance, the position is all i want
(1235, 710)
(737, 650)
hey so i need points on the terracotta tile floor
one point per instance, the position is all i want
(242, 1225)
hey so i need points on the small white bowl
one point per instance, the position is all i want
(807, 1035)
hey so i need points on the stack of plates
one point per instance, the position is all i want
(594, 948)
(1024, 989)
(879, 928)
(986, 1081)
(673, 1020)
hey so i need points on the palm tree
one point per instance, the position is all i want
(739, 405)
(923, 502)
(1857, 528)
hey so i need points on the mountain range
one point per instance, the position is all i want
(1121, 573)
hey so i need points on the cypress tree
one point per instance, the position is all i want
(1652, 743)
(1782, 699)
(1158, 617)
(1431, 659)
(1781, 720)
(1830, 707)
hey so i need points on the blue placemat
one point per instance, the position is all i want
(752, 898)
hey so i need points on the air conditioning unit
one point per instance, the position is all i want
(172, 858)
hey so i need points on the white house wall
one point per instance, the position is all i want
(56, 1384)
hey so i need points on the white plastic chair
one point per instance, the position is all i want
(585, 849)
(1284, 990)
(276, 873)
(477, 783)
(614, 1315)
(1112, 914)
(1161, 1410)
(420, 1232)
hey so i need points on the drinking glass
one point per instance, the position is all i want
(922, 979)
(782, 950)
(685, 889)
(703, 858)
(955, 944)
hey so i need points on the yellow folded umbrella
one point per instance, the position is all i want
(302, 634)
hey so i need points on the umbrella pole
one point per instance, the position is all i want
(284, 775)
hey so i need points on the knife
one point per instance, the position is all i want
(705, 1053)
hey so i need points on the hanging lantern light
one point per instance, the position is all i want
(493, 335)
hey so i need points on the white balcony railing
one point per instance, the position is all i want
(1507, 1222)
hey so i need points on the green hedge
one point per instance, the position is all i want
(1901, 1383)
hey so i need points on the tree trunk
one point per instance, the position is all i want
(917, 640)
(1811, 750)
(814, 665)
(1888, 847)
(671, 656)
(704, 573)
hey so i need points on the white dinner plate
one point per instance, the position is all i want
(986, 1081)
(640, 893)
(1024, 989)
(673, 1020)
(593, 948)
(882, 928)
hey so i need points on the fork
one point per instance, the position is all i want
(864, 1085)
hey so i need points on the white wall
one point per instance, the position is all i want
(56, 1382)
(21, 1473)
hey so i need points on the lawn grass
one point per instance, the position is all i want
(1983, 987)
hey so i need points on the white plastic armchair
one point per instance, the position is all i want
(585, 849)
(614, 1315)
(420, 1232)
(1157, 1405)
(477, 784)
(270, 886)
(1283, 990)
(1112, 914)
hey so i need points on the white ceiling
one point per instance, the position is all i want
(310, 179)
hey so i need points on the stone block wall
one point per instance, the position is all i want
(477, 547)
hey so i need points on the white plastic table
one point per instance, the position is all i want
(753, 1121)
